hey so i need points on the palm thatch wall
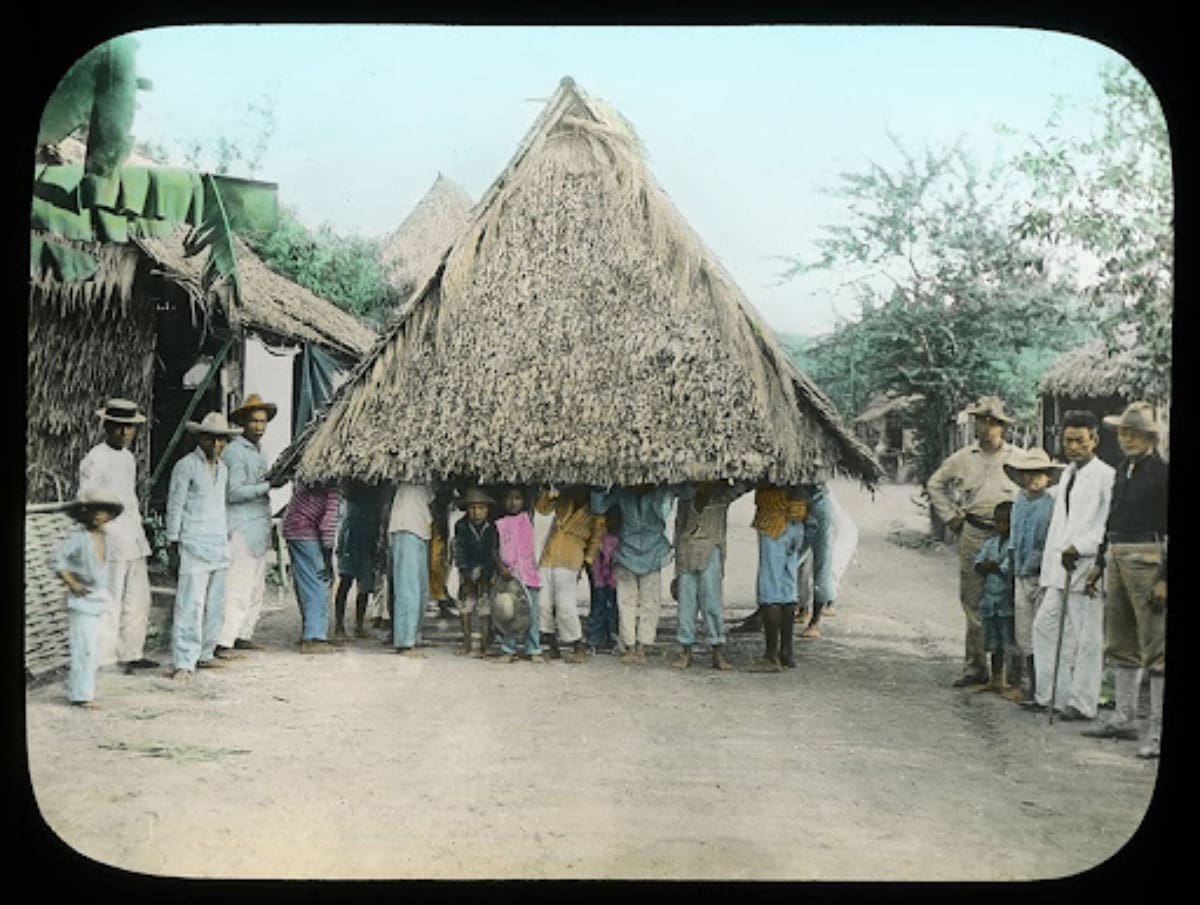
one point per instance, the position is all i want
(578, 331)
(87, 341)
(413, 250)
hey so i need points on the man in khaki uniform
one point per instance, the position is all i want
(963, 492)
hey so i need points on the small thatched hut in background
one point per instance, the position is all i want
(1091, 379)
(578, 331)
(414, 248)
(884, 426)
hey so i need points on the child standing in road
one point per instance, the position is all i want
(602, 574)
(517, 567)
(474, 554)
(994, 562)
(1031, 511)
(81, 561)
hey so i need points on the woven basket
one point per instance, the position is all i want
(47, 647)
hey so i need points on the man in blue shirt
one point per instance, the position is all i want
(197, 531)
(249, 508)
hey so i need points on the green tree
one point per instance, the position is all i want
(343, 269)
(1107, 200)
(951, 303)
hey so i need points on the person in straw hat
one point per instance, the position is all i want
(82, 560)
(197, 531)
(248, 504)
(964, 491)
(474, 553)
(1133, 561)
(110, 468)
(1035, 474)
(1072, 541)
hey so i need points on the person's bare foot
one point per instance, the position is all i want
(684, 660)
(811, 631)
(719, 661)
(85, 705)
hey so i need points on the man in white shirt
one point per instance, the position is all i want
(1072, 541)
(110, 468)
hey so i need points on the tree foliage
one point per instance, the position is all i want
(1107, 198)
(951, 305)
(343, 269)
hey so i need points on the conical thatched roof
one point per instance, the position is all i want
(413, 250)
(270, 302)
(578, 331)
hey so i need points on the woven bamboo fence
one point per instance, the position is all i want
(46, 641)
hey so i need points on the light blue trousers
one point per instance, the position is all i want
(818, 536)
(83, 634)
(409, 586)
(701, 591)
(199, 615)
(778, 559)
(312, 588)
(533, 644)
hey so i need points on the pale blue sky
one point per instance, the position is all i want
(744, 126)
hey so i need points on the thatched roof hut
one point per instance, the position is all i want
(415, 247)
(578, 331)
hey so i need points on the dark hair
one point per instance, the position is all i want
(1005, 507)
(1081, 418)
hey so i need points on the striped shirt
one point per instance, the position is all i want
(312, 515)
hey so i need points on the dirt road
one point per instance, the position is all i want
(862, 763)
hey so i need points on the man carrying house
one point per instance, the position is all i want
(964, 492)
(249, 509)
(109, 468)
(1072, 542)
(1133, 561)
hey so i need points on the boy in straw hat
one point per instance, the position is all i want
(248, 504)
(1133, 560)
(474, 552)
(1035, 474)
(83, 562)
(110, 468)
(197, 531)
(964, 491)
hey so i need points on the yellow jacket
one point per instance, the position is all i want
(774, 507)
(575, 534)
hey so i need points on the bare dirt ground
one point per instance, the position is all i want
(861, 764)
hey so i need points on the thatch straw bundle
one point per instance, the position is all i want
(88, 341)
(1088, 372)
(579, 332)
(414, 249)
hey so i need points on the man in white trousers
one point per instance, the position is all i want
(249, 508)
(110, 468)
(1072, 542)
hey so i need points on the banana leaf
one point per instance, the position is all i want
(62, 222)
(68, 264)
(135, 185)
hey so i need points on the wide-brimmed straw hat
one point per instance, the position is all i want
(213, 423)
(252, 403)
(475, 495)
(96, 499)
(121, 411)
(992, 407)
(1034, 459)
(510, 608)
(1138, 416)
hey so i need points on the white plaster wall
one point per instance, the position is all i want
(267, 370)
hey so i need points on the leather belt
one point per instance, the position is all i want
(981, 523)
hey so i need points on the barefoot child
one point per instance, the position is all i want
(518, 571)
(474, 554)
(81, 561)
(1031, 511)
(574, 538)
(602, 575)
(994, 562)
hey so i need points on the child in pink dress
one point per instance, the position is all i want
(518, 575)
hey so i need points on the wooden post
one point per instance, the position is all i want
(191, 407)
